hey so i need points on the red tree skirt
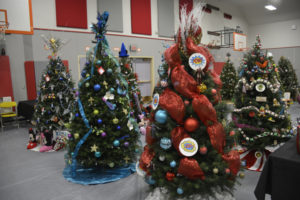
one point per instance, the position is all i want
(255, 160)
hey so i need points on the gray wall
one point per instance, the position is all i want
(23, 48)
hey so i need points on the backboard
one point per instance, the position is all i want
(239, 41)
(18, 13)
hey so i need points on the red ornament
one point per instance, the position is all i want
(191, 124)
(213, 91)
(127, 66)
(170, 176)
(232, 133)
(227, 171)
(203, 150)
(186, 102)
(251, 114)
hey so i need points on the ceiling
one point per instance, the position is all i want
(255, 12)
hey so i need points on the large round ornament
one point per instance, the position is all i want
(191, 124)
(188, 147)
(260, 87)
(165, 143)
(179, 191)
(197, 61)
(161, 116)
(97, 87)
(116, 143)
(109, 71)
(155, 101)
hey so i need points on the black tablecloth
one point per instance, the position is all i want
(281, 174)
(26, 108)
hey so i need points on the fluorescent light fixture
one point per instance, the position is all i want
(270, 7)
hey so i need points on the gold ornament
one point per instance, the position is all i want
(202, 87)
(94, 148)
(275, 103)
(115, 121)
(215, 170)
(76, 135)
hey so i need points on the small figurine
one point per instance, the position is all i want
(275, 102)
(32, 139)
(262, 111)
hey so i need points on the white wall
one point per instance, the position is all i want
(276, 35)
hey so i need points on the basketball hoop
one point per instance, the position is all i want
(3, 27)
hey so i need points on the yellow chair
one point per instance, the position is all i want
(5, 114)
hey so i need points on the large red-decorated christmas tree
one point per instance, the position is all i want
(189, 152)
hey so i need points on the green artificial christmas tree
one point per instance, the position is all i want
(229, 79)
(102, 133)
(260, 116)
(133, 88)
(55, 96)
(288, 77)
(189, 151)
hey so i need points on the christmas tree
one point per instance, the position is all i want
(288, 76)
(133, 88)
(55, 97)
(188, 151)
(260, 116)
(102, 133)
(229, 79)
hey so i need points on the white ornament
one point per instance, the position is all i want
(188, 147)
(197, 61)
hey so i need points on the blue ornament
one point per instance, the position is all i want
(112, 90)
(47, 122)
(97, 154)
(252, 70)
(99, 121)
(87, 63)
(77, 115)
(98, 62)
(49, 112)
(123, 52)
(83, 73)
(161, 71)
(291, 131)
(165, 143)
(116, 143)
(61, 78)
(72, 153)
(161, 116)
(179, 191)
(243, 162)
(173, 163)
(118, 127)
(109, 71)
(121, 92)
(97, 87)
(150, 180)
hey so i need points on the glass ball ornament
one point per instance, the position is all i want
(98, 62)
(118, 127)
(179, 190)
(116, 143)
(99, 121)
(243, 163)
(150, 180)
(69, 135)
(97, 154)
(162, 158)
(97, 87)
(126, 144)
(165, 143)
(203, 150)
(143, 130)
(215, 170)
(191, 124)
(109, 71)
(173, 163)
(103, 134)
(115, 121)
(161, 116)
(227, 171)
(61, 78)
(111, 165)
(96, 112)
(77, 93)
(112, 90)
(87, 84)
(76, 135)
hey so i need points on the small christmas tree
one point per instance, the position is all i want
(55, 97)
(188, 151)
(260, 116)
(133, 88)
(229, 79)
(102, 133)
(288, 77)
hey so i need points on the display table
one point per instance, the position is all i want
(26, 108)
(281, 174)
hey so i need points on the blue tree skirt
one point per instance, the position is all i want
(93, 176)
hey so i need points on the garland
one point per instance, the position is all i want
(253, 83)
(264, 134)
(280, 116)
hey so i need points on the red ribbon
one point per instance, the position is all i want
(173, 103)
(146, 158)
(184, 83)
(217, 136)
(190, 168)
(172, 56)
(178, 134)
(149, 139)
(233, 160)
(204, 109)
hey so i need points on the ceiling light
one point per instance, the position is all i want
(270, 7)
